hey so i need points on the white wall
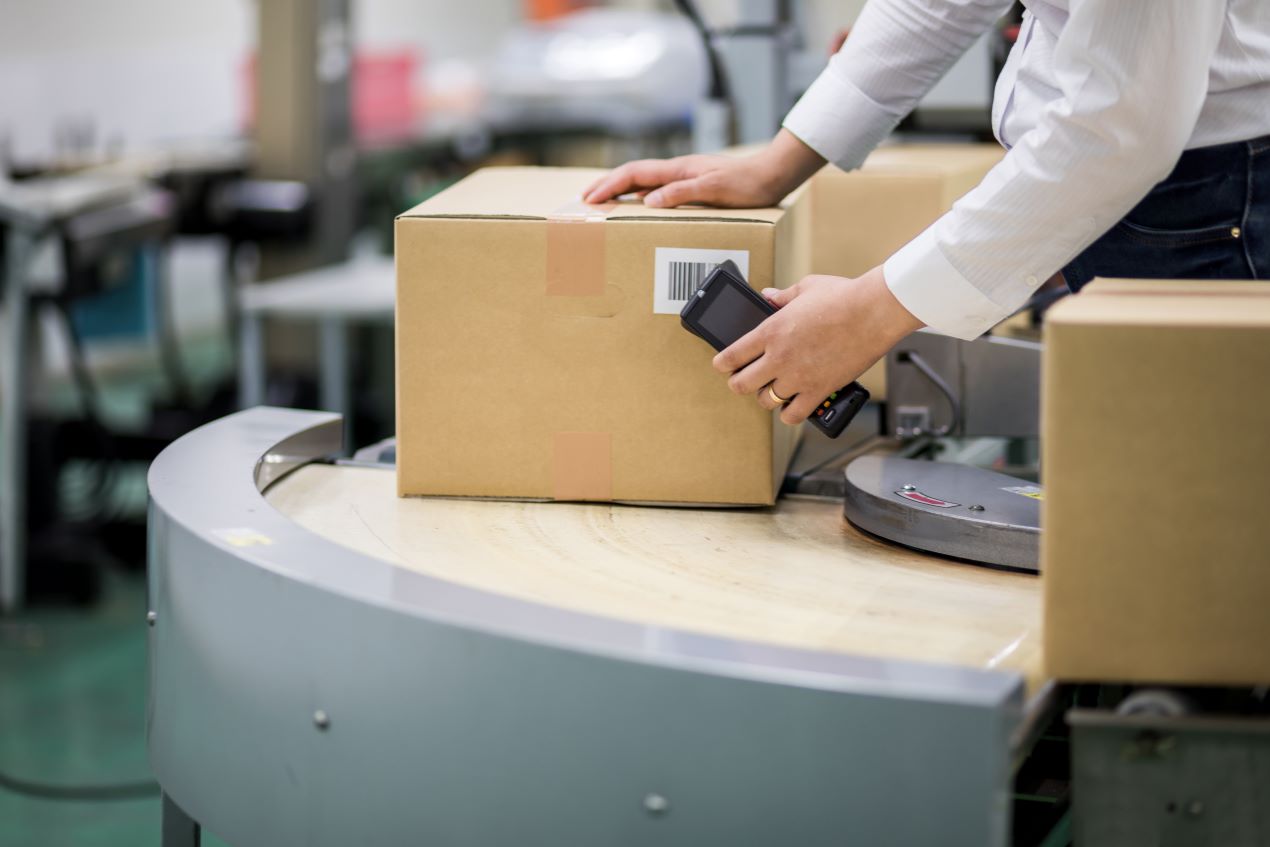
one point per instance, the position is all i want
(146, 71)
(139, 70)
(442, 29)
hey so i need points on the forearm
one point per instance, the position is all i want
(897, 51)
(1125, 117)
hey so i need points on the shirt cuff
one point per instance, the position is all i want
(926, 283)
(839, 121)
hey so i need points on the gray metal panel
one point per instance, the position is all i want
(1001, 384)
(906, 386)
(1147, 780)
(458, 717)
(984, 521)
(997, 381)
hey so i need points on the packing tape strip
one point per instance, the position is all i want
(575, 249)
(582, 466)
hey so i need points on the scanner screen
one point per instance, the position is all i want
(731, 315)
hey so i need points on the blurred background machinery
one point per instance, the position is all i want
(193, 207)
(196, 206)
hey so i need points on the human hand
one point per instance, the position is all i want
(828, 331)
(742, 182)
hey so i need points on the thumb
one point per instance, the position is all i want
(779, 297)
(677, 193)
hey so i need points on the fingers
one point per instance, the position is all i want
(681, 193)
(800, 408)
(646, 173)
(765, 399)
(753, 377)
(586, 192)
(779, 297)
(746, 349)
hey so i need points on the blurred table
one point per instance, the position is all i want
(362, 291)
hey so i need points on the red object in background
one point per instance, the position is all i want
(383, 101)
(839, 38)
(545, 10)
(382, 94)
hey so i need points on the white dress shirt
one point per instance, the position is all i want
(1096, 102)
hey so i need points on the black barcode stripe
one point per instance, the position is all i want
(686, 278)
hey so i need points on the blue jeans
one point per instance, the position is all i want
(1209, 219)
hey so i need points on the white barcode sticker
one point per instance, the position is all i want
(679, 271)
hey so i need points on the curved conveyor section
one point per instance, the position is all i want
(303, 693)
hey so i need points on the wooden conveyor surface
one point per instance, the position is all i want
(797, 574)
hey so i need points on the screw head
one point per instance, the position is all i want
(908, 487)
(976, 508)
(151, 617)
(656, 804)
(321, 719)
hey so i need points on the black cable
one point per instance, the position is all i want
(842, 454)
(162, 299)
(88, 394)
(1039, 303)
(84, 793)
(954, 426)
(90, 402)
(793, 479)
(719, 88)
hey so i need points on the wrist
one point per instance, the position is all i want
(785, 164)
(893, 319)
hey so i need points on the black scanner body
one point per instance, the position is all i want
(725, 308)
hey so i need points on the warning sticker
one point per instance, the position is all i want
(1033, 491)
(926, 500)
(678, 272)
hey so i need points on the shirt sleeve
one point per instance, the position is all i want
(897, 51)
(1132, 76)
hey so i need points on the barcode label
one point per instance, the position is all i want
(686, 278)
(678, 272)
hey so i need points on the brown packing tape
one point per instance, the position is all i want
(575, 250)
(582, 466)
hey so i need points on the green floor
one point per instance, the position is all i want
(72, 712)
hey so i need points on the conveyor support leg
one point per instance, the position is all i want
(179, 830)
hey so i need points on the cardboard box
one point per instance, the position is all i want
(540, 353)
(859, 218)
(1155, 553)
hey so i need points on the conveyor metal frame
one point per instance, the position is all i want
(304, 693)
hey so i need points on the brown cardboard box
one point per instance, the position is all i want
(535, 359)
(1156, 547)
(859, 218)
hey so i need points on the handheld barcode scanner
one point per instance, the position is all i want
(725, 308)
